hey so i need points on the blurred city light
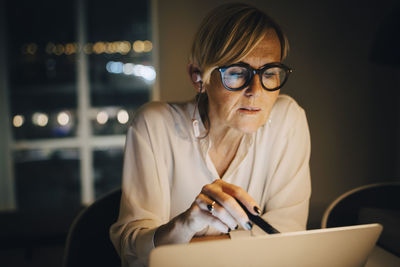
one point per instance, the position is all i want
(123, 116)
(110, 48)
(121, 47)
(31, 48)
(88, 48)
(58, 49)
(115, 67)
(138, 46)
(49, 48)
(146, 72)
(99, 47)
(18, 120)
(148, 46)
(40, 119)
(63, 118)
(102, 117)
(128, 68)
(77, 47)
(125, 47)
(70, 49)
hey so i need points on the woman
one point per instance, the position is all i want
(187, 164)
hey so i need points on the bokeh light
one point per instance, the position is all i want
(123, 116)
(18, 121)
(102, 117)
(49, 48)
(63, 118)
(99, 47)
(31, 48)
(147, 46)
(115, 67)
(58, 49)
(128, 68)
(138, 46)
(146, 72)
(121, 47)
(70, 49)
(40, 119)
(124, 47)
(110, 48)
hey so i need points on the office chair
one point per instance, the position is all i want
(374, 203)
(88, 242)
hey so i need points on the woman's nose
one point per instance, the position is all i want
(255, 88)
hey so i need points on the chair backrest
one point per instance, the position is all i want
(374, 203)
(88, 242)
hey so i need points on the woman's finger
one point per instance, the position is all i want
(226, 194)
(200, 219)
(241, 195)
(229, 204)
(210, 205)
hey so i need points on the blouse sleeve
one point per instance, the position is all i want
(290, 186)
(145, 195)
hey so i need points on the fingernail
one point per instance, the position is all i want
(237, 226)
(249, 225)
(257, 210)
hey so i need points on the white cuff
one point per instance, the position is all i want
(145, 243)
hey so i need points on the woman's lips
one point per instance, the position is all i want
(249, 110)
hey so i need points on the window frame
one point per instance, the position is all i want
(84, 141)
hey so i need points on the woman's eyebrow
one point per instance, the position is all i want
(248, 65)
(241, 63)
(266, 64)
(270, 63)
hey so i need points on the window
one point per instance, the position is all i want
(77, 73)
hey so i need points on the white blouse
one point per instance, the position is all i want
(166, 166)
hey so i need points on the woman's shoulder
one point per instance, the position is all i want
(285, 102)
(286, 113)
(286, 107)
(151, 111)
(161, 110)
(152, 108)
(157, 115)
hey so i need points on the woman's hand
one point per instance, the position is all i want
(215, 206)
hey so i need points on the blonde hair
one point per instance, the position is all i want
(228, 34)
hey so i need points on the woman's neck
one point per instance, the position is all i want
(224, 145)
(224, 137)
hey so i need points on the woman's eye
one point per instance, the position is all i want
(271, 73)
(236, 74)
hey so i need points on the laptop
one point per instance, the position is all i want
(341, 246)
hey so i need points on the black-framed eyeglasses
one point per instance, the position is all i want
(238, 76)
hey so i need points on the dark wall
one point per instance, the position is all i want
(351, 102)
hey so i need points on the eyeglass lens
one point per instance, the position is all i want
(236, 77)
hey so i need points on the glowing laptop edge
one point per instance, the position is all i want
(341, 246)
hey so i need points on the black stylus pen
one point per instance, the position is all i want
(269, 229)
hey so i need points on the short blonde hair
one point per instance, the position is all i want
(228, 34)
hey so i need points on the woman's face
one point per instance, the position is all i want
(248, 109)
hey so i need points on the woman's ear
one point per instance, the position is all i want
(195, 77)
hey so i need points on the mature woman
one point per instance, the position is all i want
(187, 164)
